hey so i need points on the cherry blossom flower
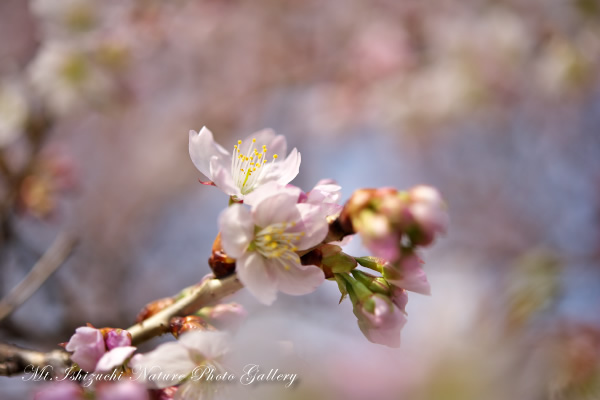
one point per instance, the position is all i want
(90, 349)
(247, 167)
(264, 241)
(185, 358)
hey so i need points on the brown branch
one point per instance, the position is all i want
(16, 360)
(53, 258)
(209, 292)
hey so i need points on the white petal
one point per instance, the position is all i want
(263, 137)
(270, 189)
(221, 176)
(326, 191)
(276, 209)
(203, 148)
(289, 168)
(169, 358)
(252, 271)
(278, 145)
(114, 358)
(237, 229)
(210, 344)
(297, 279)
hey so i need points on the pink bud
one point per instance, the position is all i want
(407, 273)
(380, 321)
(399, 297)
(87, 345)
(117, 338)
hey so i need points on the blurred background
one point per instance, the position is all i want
(496, 103)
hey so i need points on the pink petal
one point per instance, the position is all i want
(252, 271)
(203, 148)
(408, 274)
(278, 208)
(210, 344)
(118, 338)
(386, 336)
(114, 358)
(83, 336)
(88, 347)
(313, 223)
(237, 229)
(399, 297)
(297, 279)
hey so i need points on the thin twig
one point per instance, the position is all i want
(16, 360)
(209, 292)
(53, 258)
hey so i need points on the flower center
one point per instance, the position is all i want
(248, 169)
(274, 242)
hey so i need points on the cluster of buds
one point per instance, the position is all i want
(391, 222)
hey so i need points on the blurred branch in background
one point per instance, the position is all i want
(52, 259)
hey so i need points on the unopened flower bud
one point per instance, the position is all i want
(407, 273)
(116, 337)
(379, 320)
(180, 325)
(399, 297)
(154, 307)
(390, 221)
